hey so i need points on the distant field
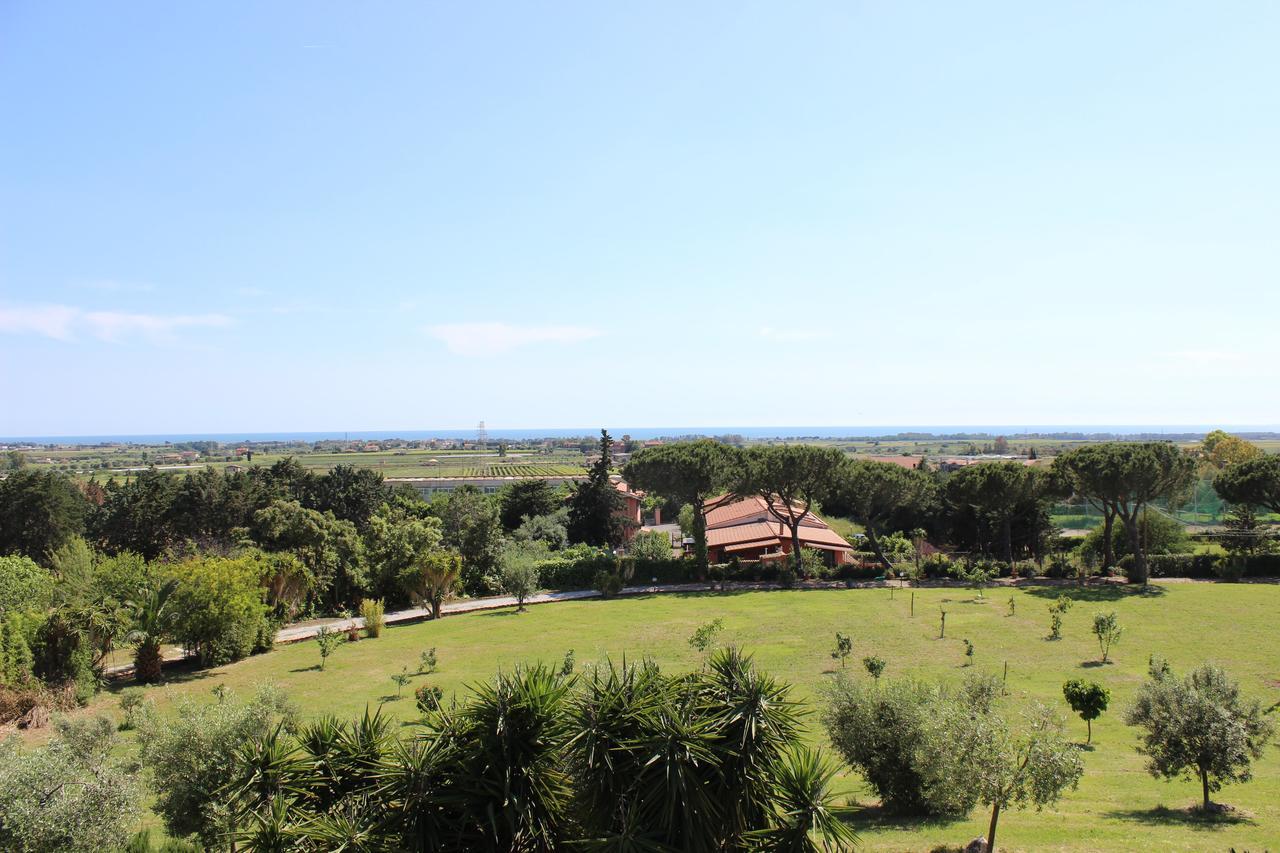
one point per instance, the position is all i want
(1117, 807)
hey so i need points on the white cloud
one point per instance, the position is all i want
(792, 336)
(66, 323)
(52, 321)
(495, 338)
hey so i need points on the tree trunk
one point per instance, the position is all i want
(1108, 524)
(1135, 548)
(879, 551)
(796, 559)
(1089, 737)
(435, 608)
(1006, 534)
(700, 540)
(146, 663)
(1204, 784)
(991, 829)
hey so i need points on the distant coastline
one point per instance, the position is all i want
(1064, 432)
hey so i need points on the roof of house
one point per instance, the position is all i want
(747, 524)
(746, 510)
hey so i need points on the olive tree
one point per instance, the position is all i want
(1199, 726)
(68, 794)
(1002, 766)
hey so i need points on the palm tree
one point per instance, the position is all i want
(438, 573)
(150, 630)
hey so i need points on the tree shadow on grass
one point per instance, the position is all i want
(1192, 817)
(315, 667)
(1097, 592)
(503, 612)
(1092, 664)
(874, 817)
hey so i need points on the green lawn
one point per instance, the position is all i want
(1117, 807)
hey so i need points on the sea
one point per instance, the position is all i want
(749, 432)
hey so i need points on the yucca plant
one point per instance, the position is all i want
(151, 627)
(801, 808)
(512, 733)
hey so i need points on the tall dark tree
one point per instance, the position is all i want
(874, 493)
(137, 515)
(687, 472)
(469, 522)
(999, 494)
(1126, 477)
(525, 499)
(39, 513)
(1255, 482)
(791, 479)
(351, 494)
(595, 510)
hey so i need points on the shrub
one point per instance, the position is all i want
(844, 647)
(651, 546)
(132, 702)
(427, 661)
(68, 795)
(328, 640)
(876, 730)
(1106, 627)
(874, 666)
(428, 698)
(1230, 569)
(938, 566)
(217, 610)
(705, 634)
(24, 585)
(373, 611)
(608, 582)
(192, 753)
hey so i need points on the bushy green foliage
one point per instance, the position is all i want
(68, 795)
(704, 636)
(608, 582)
(25, 586)
(1088, 699)
(373, 611)
(844, 647)
(427, 697)
(328, 641)
(874, 666)
(217, 609)
(428, 661)
(1158, 534)
(518, 570)
(1107, 630)
(191, 755)
(16, 659)
(650, 545)
(548, 529)
(133, 703)
(930, 750)
(1199, 727)
(877, 730)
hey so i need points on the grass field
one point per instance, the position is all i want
(1117, 807)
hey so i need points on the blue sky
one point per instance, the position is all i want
(280, 216)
